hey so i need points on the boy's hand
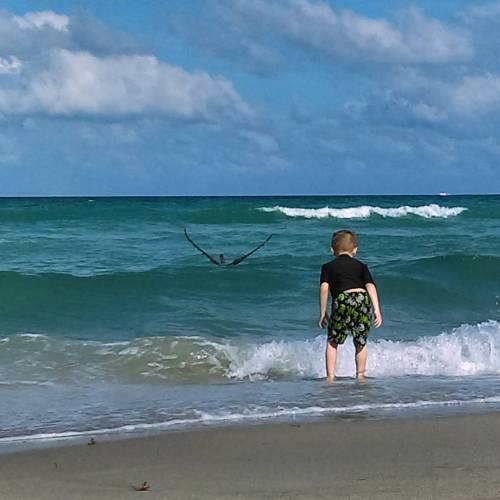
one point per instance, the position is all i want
(322, 320)
(378, 319)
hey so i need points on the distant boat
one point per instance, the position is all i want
(443, 194)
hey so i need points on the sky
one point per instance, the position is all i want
(239, 97)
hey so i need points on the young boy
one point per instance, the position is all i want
(354, 299)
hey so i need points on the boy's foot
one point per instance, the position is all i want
(330, 380)
(361, 376)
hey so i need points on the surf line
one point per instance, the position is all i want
(222, 259)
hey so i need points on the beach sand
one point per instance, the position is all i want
(433, 458)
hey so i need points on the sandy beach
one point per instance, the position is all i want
(442, 458)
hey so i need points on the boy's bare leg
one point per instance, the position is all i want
(361, 357)
(331, 360)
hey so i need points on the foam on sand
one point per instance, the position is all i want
(254, 414)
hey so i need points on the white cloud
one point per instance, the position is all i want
(433, 99)
(82, 83)
(428, 113)
(264, 142)
(10, 65)
(344, 34)
(29, 35)
(233, 42)
(39, 20)
(488, 11)
(475, 94)
(59, 65)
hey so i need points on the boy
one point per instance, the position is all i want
(354, 298)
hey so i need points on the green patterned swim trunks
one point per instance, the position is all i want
(351, 314)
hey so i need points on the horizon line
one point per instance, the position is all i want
(442, 195)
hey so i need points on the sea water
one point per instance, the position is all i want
(112, 322)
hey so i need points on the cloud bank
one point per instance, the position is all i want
(55, 71)
(343, 34)
(71, 83)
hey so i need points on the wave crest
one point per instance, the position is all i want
(365, 211)
(466, 351)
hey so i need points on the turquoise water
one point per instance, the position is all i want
(110, 319)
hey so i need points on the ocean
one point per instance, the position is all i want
(111, 322)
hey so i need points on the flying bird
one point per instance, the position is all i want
(222, 259)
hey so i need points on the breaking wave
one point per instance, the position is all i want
(425, 211)
(468, 350)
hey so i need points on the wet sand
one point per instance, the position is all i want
(431, 458)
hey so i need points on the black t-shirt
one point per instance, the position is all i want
(345, 272)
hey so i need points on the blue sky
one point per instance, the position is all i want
(216, 97)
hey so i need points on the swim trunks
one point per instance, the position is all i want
(351, 314)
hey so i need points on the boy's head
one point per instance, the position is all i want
(344, 242)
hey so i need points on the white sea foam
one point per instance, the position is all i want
(468, 350)
(364, 211)
(255, 414)
(33, 336)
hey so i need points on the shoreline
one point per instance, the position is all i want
(27, 443)
(432, 457)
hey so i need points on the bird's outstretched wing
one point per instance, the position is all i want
(209, 257)
(243, 257)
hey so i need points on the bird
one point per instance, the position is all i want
(222, 259)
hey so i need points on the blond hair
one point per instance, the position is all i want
(344, 241)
